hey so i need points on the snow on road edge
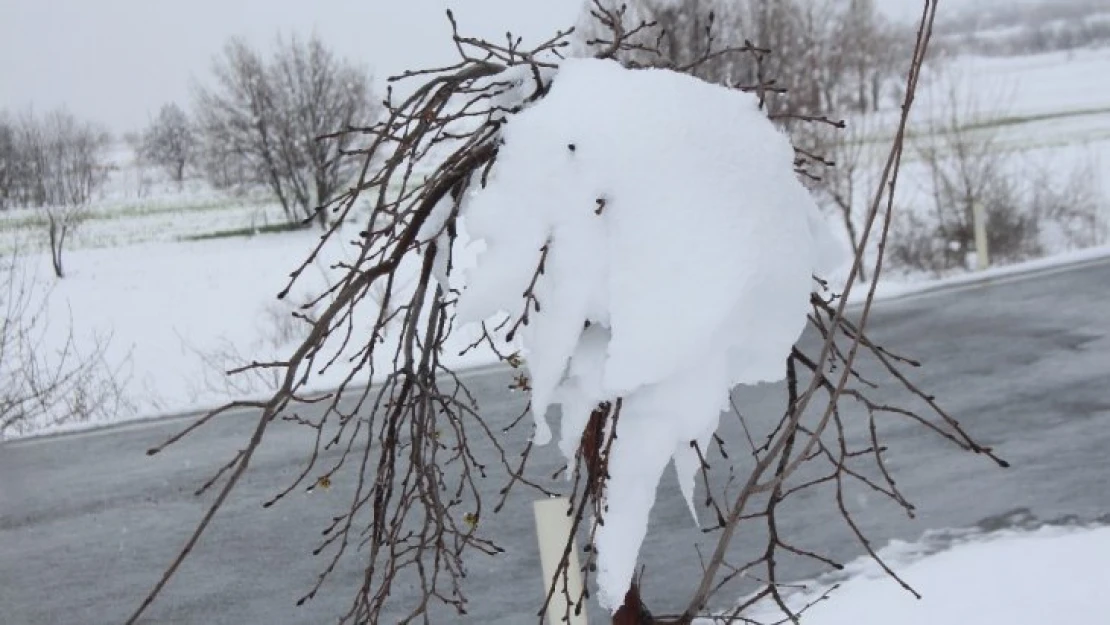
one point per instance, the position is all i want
(1053, 574)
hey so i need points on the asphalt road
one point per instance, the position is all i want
(88, 522)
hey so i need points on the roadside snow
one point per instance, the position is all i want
(894, 288)
(1049, 575)
(677, 249)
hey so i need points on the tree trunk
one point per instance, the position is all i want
(633, 611)
(322, 195)
(57, 240)
(861, 92)
(876, 90)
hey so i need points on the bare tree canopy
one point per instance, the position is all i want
(61, 160)
(169, 141)
(281, 122)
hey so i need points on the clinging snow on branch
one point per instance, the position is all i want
(632, 242)
(678, 252)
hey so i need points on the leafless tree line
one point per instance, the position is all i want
(276, 123)
(1029, 29)
(273, 122)
(54, 159)
(404, 454)
(828, 55)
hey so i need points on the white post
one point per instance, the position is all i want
(553, 527)
(982, 251)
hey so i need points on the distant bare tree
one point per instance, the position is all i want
(234, 119)
(966, 171)
(318, 94)
(169, 141)
(867, 43)
(63, 163)
(280, 121)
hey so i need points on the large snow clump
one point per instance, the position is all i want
(680, 249)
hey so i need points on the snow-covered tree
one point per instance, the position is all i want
(633, 243)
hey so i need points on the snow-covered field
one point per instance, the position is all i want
(174, 316)
(1056, 84)
(1044, 106)
(174, 307)
(1054, 574)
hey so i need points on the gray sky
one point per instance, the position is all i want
(118, 61)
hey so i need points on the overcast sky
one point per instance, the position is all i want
(118, 61)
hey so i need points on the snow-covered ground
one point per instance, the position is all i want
(178, 312)
(1053, 84)
(1053, 574)
(173, 316)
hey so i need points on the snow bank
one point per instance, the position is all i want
(651, 227)
(1050, 575)
(893, 288)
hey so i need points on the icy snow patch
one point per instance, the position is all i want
(1049, 575)
(677, 248)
